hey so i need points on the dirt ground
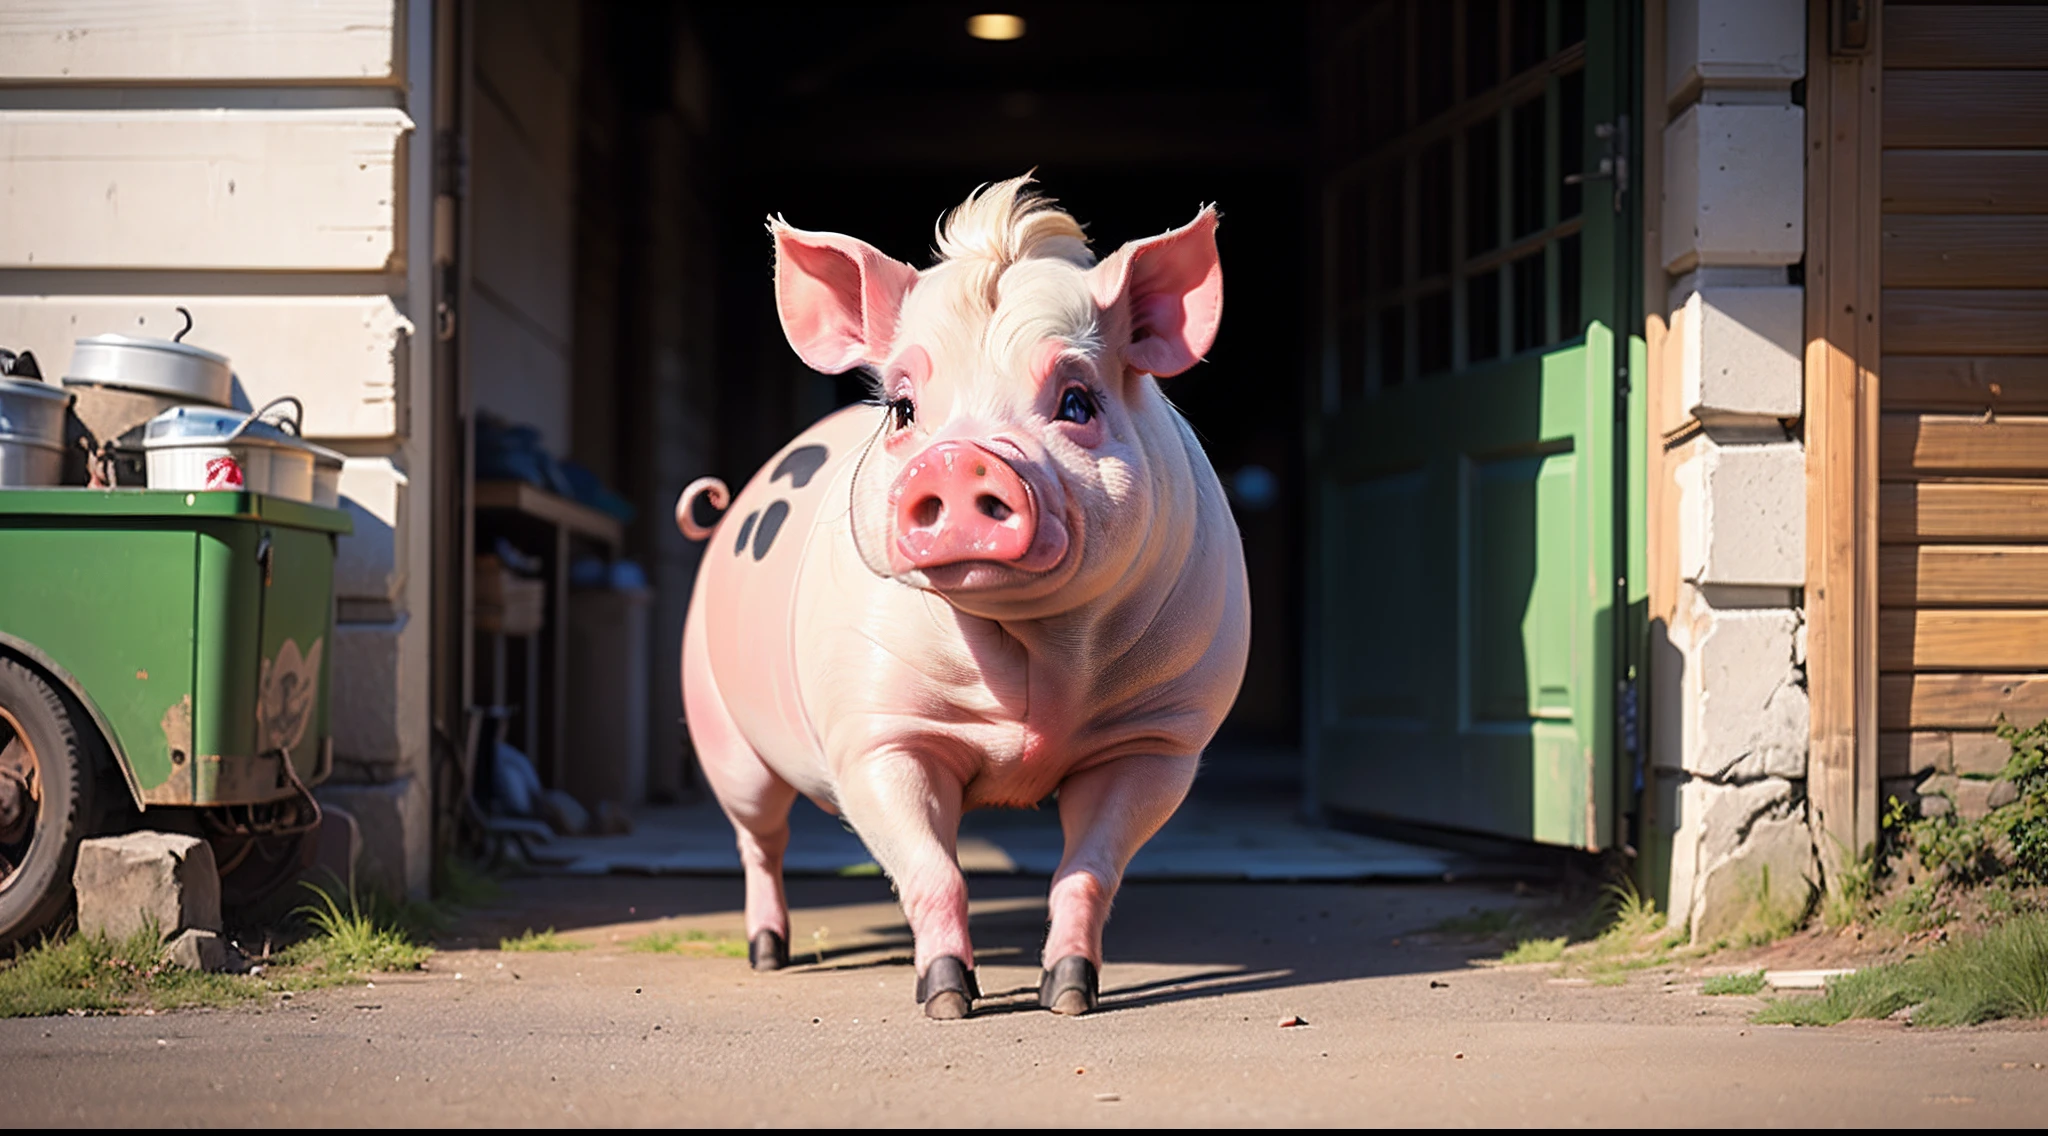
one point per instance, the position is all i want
(1400, 1029)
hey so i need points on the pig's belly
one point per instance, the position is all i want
(752, 567)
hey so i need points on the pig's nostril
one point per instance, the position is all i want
(993, 507)
(926, 512)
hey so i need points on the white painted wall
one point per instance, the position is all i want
(268, 166)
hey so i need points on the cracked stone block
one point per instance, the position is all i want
(1720, 208)
(164, 879)
(1733, 43)
(1741, 353)
(394, 822)
(1742, 858)
(1744, 708)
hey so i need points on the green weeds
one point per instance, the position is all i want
(90, 973)
(2002, 973)
(1750, 982)
(355, 940)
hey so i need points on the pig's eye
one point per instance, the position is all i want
(1077, 406)
(902, 412)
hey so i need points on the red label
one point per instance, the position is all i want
(223, 473)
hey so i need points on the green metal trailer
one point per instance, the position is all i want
(164, 655)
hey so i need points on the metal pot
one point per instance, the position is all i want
(185, 443)
(31, 433)
(160, 366)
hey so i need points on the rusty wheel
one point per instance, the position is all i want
(46, 800)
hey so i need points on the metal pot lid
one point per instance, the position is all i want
(167, 345)
(35, 388)
(206, 425)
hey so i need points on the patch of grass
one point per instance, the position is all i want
(2002, 973)
(90, 973)
(1535, 950)
(861, 870)
(1750, 982)
(546, 941)
(689, 943)
(1847, 902)
(354, 940)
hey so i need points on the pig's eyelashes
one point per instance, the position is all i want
(902, 412)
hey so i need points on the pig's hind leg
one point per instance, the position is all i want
(1107, 813)
(907, 812)
(755, 799)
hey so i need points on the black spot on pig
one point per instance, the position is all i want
(771, 524)
(746, 530)
(801, 464)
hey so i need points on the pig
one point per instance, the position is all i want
(1011, 574)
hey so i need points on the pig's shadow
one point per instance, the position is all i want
(1220, 938)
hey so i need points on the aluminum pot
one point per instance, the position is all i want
(31, 433)
(159, 366)
(188, 447)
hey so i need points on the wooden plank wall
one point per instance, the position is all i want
(1963, 433)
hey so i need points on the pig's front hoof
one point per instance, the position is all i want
(947, 989)
(1070, 987)
(768, 951)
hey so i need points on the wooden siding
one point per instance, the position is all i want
(53, 42)
(1963, 429)
(203, 189)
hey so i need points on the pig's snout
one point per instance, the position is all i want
(957, 502)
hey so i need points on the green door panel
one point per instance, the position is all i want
(1470, 451)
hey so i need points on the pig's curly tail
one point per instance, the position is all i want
(707, 487)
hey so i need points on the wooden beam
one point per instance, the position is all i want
(1965, 109)
(1962, 575)
(1960, 701)
(1842, 326)
(1928, 251)
(2003, 512)
(1919, 445)
(1963, 640)
(1965, 181)
(1966, 36)
(1966, 321)
(1985, 384)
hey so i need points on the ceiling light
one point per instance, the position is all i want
(995, 25)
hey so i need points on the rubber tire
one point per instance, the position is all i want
(38, 892)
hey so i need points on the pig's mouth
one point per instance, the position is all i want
(1044, 558)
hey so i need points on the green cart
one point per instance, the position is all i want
(163, 655)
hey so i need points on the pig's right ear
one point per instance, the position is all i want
(838, 297)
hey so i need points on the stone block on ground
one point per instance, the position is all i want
(1755, 868)
(194, 949)
(161, 879)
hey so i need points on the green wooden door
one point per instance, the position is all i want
(1470, 446)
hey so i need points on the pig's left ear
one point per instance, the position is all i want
(1175, 286)
(839, 297)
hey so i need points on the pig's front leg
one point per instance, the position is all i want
(1107, 813)
(907, 811)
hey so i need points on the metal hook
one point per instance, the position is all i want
(180, 337)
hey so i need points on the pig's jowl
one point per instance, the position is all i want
(1012, 575)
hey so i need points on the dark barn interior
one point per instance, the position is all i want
(693, 123)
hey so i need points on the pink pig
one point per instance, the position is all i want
(1016, 576)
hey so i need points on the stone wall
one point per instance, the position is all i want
(1728, 672)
